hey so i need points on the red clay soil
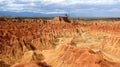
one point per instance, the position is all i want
(71, 56)
(18, 37)
(31, 64)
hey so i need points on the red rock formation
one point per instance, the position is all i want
(3, 64)
(71, 56)
(31, 64)
(61, 19)
(111, 48)
(20, 36)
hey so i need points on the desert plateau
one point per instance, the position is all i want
(59, 41)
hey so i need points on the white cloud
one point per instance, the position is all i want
(47, 2)
(39, 6)
(114, 10)
(54, 12)
(64, 2)
(1, 1)
(74, 2)
(98, 2)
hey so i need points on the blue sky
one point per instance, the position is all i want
(80, 8)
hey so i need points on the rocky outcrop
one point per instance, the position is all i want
(16, 38)
(61, 19)
(68, 56)
(71, 56)
(19, 37)
(111, 48)
(31, 64)
(3, 64)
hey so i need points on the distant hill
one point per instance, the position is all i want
(8, 13)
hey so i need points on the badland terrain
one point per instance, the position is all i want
(59, 42)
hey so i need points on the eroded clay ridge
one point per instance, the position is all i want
(18, 36)
(71, 56)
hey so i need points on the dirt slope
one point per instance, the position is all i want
(34, 37)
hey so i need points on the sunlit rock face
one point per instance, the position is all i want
(26, 40)
(61, 19)
(111, 48)
(68, 56)
(71, 56)
(31, 64)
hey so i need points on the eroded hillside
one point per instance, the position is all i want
(60, 42)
